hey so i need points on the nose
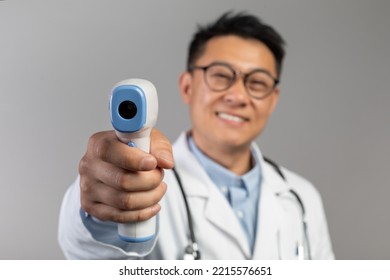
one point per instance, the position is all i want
(236, 94)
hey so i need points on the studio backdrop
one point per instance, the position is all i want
(60, 59)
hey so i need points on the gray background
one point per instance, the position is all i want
(59, 60)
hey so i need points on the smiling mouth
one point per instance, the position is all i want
(231, 118)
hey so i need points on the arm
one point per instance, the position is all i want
(117, 184)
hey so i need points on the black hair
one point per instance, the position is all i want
(240, 24)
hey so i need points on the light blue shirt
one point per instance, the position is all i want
(242, 192)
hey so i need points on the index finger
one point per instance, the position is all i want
(107, 147)
(161, 149)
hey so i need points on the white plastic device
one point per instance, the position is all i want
(133, 112)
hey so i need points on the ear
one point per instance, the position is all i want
(185, 82)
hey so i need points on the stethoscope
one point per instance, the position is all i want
(192, 252)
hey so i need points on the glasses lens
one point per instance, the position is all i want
(219, 77)
(259, 84)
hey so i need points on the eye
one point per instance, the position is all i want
(258, 85)
(221, 76)
(259, 82)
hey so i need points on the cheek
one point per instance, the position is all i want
(200, 98)
(266, 107)
(198, 106)
(263, 113)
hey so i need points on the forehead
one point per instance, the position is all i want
(243, 54)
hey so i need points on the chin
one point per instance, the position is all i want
(235, 142)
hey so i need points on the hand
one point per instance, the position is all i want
(123, 184)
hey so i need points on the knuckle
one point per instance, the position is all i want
(84, 185)
(139, 216)
(83, 165)
(128, 201)
(120, 179)
(118, 218)
(99, 145)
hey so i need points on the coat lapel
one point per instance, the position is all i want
(226, 220)
(270, 215)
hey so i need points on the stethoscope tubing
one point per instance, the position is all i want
(192, 249)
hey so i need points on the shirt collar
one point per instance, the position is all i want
(223, 177)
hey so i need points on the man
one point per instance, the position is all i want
(241, 206)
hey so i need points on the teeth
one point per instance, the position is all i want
(230, 117)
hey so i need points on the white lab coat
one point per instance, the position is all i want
(217, 229)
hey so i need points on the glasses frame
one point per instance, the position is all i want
(236, 75)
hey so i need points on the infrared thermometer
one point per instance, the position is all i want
(133, 112)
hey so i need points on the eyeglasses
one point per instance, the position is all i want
(219, 76)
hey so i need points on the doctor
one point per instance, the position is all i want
(240, 206)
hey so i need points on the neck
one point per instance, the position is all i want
(236, 159)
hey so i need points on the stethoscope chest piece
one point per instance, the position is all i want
(191, 252)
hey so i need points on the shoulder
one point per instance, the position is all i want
(296, 182)
(300, 184)
(314, 214)
(309, 196)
